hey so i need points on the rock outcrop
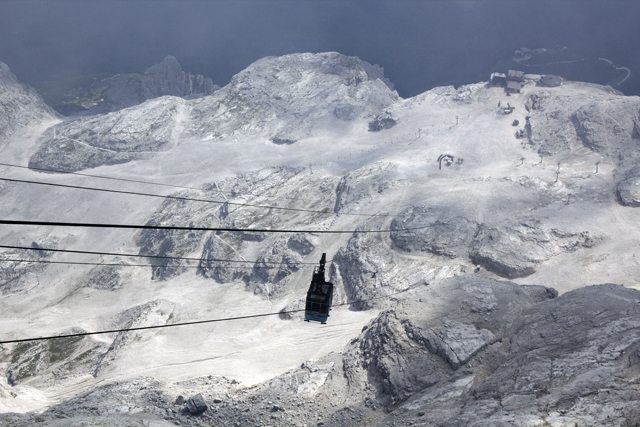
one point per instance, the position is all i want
(382, 121)
(286, 97)
(606, 124)
(15, 275)
(364, 184)
(515, 249)
(169, 249)
(20, 106)
(433, 230)
(487, 353)
(119, 137)
(126, 90)
(628, 192)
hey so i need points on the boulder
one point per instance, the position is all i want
(196, 405)
(628, 192)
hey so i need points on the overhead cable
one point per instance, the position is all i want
(142, 256)
(168, 227)
(204, 267)
(191, 199)
(98, 176)
(197, 322)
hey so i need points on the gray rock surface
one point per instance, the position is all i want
(364, 184)
(109, 278)
(196, 405)
(218, 248)
(161, 311)
(628, 192)
(16, 276)
(166, 247)
(488, 353)
(166, 78)
(301, 243)
(20, 106)
(113, 138)
(273, 266)
(286, 97)
(289, 95)
(224, 255)
(562, 124)
(64, 360)
(382, 121)
(356, 267)
(516, 248)
(512, 249)
(433, 230)
(54, 361)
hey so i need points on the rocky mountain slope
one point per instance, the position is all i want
(282, 99)
(484, 263)
(20, 106)
(103, 93)
(465, 352)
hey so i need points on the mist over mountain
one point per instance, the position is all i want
(482, 244)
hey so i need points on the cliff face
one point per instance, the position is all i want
(20, 106)
(166, 78)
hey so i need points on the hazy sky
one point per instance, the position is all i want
(420, 44)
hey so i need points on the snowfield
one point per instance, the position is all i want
(302, 132)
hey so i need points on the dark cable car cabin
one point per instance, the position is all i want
(319, 296)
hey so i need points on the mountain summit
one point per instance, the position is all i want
(166, 78)
(280, 99)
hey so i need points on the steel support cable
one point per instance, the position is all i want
(142, 256)
(207, 267)
(197, 322)
(99, 176)
(191, 199)
(167, 227)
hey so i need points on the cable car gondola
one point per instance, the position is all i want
(319, 296)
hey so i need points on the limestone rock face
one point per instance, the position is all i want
(512, 249)
(364, 184)
(222, 247)
(15, 276)
(113, 138)
(406, 350)
(629, 192)
(515, 249)
(287, 96)
(605, 124)
(20, 106)
(522, 356)
(165, 247)
(281, 99)
(166, 78)
(433, 230)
